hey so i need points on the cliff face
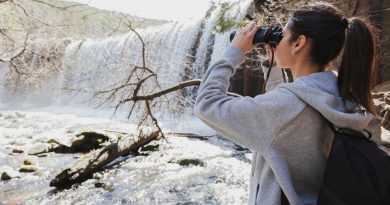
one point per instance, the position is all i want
(278, 12)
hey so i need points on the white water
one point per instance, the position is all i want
(150, 179)
(97, 64)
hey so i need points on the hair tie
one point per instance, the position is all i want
(345, 22)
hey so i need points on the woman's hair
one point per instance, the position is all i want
(329, 32)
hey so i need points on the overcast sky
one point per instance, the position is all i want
(158, 9)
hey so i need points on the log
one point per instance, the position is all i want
(84, 168)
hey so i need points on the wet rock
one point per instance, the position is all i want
(7, 173)
(109, 186)
(17, 151)
(42, 155)
(28, 168)
(84, 142)
(87, 141)
(97, 175)
(30, 160)
(29, 164)
(149, 148)
(188, 162)
(40, 148)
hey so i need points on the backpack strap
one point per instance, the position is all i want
(331, 125)
(336, 129)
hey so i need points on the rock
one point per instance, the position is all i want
(8, 173)
(97, 175)
(149, 148)
(87, 141)
(53, 142)
(84, 142)
(109, 186)
(381, 95)
(40, 148)
(387, 99)
(383, 87)
(386, 119)
(30, 160)
(28, 168)
(187, 162)
(378, 95)
(17, 151)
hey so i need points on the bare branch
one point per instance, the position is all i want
(165, 91)
(140, 38)
(18, 54)
(117, 27)
(154, 119)
(64, 8)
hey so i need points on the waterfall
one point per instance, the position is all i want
(175, 51)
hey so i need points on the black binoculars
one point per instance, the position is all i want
(270, 35)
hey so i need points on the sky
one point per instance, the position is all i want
(157, 9)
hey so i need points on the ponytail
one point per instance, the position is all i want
(359, 62)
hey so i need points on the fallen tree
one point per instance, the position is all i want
(96, 160)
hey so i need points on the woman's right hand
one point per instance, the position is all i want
(243, 38)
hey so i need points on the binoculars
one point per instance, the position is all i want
(270, 35)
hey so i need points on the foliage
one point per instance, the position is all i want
(225, 22)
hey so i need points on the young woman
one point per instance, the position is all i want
(284, 127)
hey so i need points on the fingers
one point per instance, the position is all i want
(243, 39)
(254, 29)
(248, 27)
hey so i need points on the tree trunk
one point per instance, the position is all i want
(83, 169)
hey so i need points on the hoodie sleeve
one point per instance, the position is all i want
(275, 77)
(249, 122)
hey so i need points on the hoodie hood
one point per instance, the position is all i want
(319, 90)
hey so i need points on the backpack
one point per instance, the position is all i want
(357, 171)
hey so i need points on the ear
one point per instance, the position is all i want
(299, 44)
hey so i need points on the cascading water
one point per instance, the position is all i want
(98, 64)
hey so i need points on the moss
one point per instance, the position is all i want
(224, 23)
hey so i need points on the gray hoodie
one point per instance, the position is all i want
(288, 137)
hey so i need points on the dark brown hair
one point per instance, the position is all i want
(328, 32)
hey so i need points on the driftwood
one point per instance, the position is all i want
(83, 169)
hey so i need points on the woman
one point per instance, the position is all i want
(284, 127)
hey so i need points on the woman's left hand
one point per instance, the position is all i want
(243, 38)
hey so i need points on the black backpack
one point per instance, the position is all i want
(357, 171)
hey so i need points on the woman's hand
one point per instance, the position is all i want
(243, 38)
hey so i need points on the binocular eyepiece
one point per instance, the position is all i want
(270, 35)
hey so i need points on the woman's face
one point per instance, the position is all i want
(284, 57)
